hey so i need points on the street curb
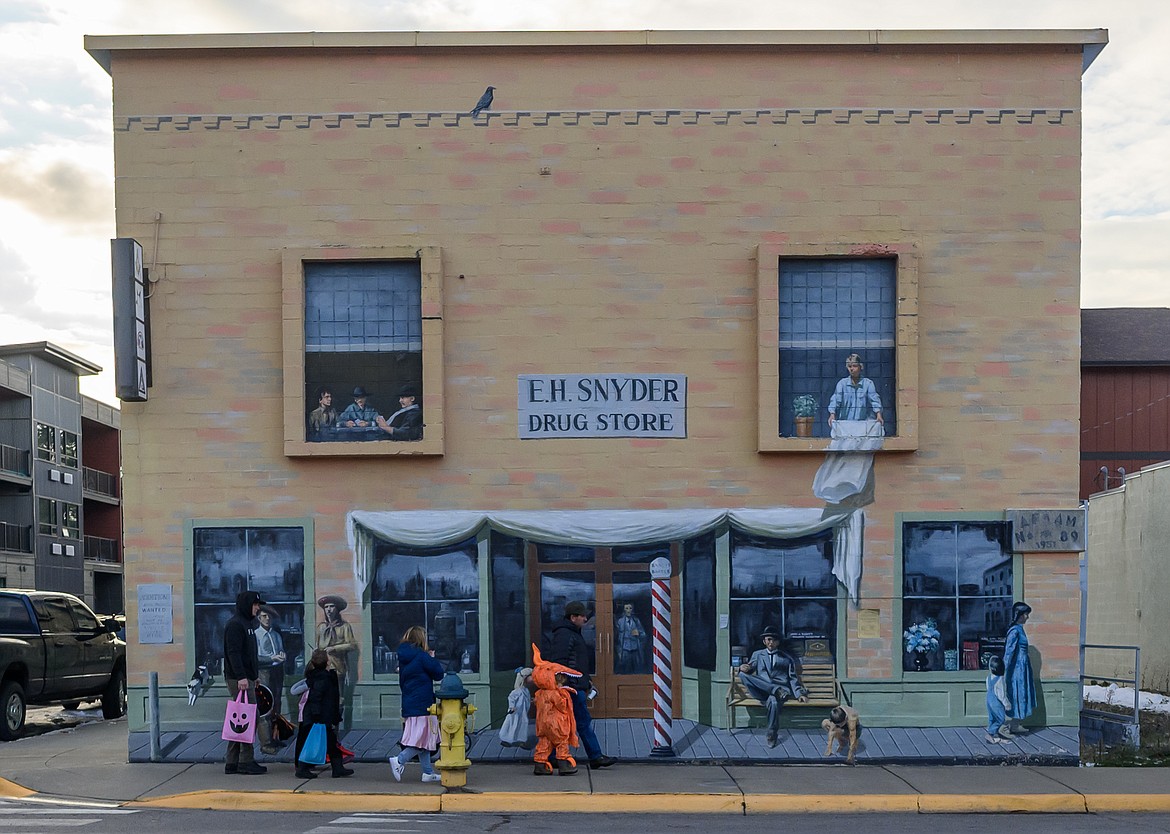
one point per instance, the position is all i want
(794, 803)
(293, 801)
(13, 790)
(997, 803)
(613, 803)
(1099, 803)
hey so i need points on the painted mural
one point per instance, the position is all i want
(793, 578)
(363, 352)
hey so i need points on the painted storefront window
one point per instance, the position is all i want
(957, 594)
(363, 351)
(437, 588)
(509, 609)
(228, 560)
(787, 585)
(698, 603)
(831, 309)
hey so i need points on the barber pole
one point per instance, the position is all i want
(660, 591)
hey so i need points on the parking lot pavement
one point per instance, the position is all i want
(40, 720)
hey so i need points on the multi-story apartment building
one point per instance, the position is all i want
(60, 495)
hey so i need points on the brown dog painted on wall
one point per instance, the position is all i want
(843, 723)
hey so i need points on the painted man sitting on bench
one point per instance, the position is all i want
(770, 677)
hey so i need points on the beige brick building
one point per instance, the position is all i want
(711, 220)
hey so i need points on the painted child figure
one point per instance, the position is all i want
(556, 729)
(843, 726)
(998, 704)
(514, 731)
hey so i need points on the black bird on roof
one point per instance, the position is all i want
(485, 101)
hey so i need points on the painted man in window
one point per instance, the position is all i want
(406, 423)
(855, 397)
(324, 416)
(358, 414)
(631, 643)
(770, 677)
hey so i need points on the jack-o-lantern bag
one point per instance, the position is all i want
(239, 722)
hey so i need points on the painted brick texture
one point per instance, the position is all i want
(634, 253)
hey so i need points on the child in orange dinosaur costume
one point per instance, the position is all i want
(555, 727)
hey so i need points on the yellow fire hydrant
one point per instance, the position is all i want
(454, 724)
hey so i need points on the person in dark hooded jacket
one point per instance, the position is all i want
(323, 706)
(569, 648)
(241, 669)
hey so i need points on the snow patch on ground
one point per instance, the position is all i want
(1122, 696)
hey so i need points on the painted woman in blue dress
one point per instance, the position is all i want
(1021, 686)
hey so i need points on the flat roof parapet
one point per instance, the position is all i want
(1090, 41)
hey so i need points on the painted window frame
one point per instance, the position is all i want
(768, 257)
(296, 408)
(838, 595)
(477, 546)
(309, 615)
(899, 626)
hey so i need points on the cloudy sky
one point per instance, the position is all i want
(56, 157)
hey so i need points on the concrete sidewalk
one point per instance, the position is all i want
(89, 762)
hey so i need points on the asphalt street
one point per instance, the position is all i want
(28, 816)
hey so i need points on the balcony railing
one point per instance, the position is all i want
(103, 483)
(102, 550)
(14, 460)
(16, 537)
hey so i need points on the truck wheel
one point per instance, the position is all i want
(114, 699)
(12, 703)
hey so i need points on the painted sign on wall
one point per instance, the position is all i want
(1058, 530)
(601, 405)
(155, 614)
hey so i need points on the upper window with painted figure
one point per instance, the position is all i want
(363, 351)
(837, 346)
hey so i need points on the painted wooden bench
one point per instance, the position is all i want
(818, 674)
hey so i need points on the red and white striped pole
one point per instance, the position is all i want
(660, 592)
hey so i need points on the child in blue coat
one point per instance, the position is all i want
(417, 672)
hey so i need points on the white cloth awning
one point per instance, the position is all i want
(598, 528)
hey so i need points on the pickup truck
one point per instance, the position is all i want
(55, 650)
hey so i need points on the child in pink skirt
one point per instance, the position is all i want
(417, 672)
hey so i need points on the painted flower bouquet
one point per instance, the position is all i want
(922, 637)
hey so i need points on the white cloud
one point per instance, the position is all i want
(1124, 262)
(56, 208)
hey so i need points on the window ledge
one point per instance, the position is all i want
(821, 444)
(382, 448)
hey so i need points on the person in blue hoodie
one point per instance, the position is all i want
(417, 672)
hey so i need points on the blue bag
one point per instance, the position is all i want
(315, 746)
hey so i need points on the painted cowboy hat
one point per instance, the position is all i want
(771, 631)
(270, 611)
(335, 600)
(360, 392)
(408, 391)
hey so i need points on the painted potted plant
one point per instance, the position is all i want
(804, 407)
(921, 642)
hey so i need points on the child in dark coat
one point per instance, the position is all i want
(417, 672)
(322, 706)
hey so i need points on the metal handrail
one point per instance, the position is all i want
(16, 537)
(101, 549)
(15, 460)
(1135, 681)
(95, 480)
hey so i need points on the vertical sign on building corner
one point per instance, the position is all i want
(131, 358)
